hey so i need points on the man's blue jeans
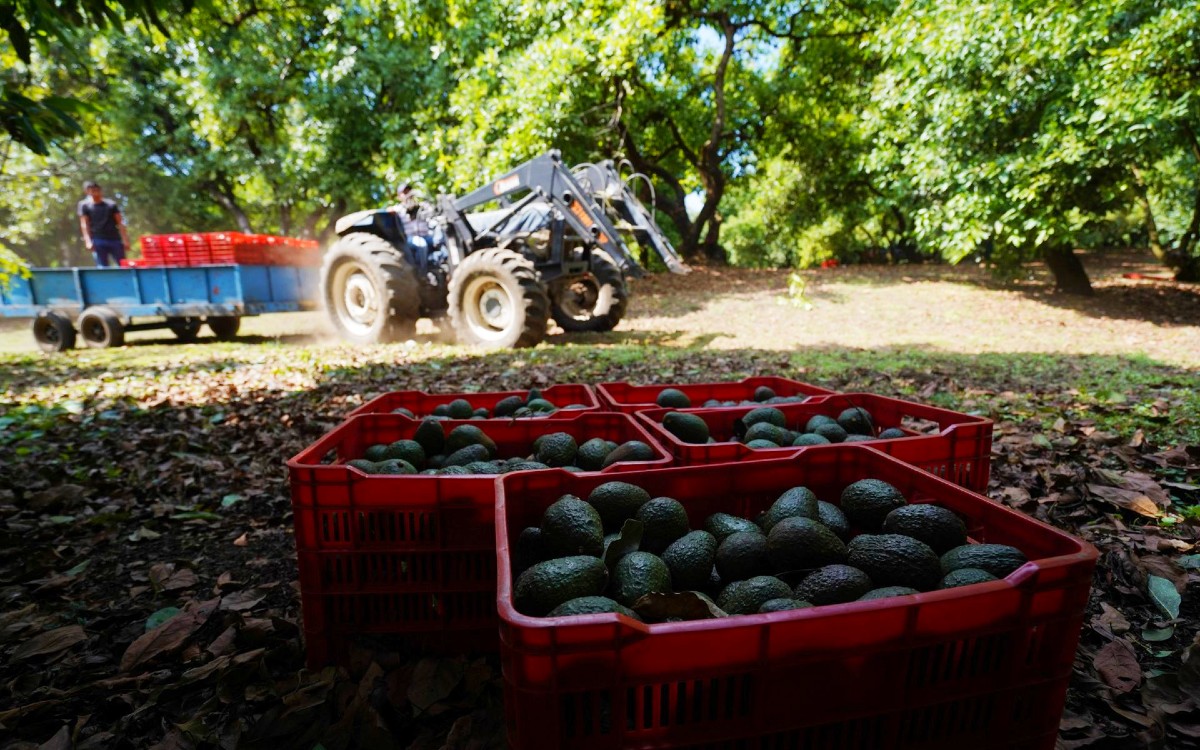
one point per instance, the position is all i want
(103, 250)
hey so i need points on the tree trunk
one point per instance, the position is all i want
(1069, 274)
(713, 250)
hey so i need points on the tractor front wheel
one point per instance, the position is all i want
(593, 302)
(497, 300)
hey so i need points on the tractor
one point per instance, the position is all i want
(553, 249)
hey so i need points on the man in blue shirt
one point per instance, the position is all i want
(102, 226)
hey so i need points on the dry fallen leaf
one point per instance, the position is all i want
(168, 637)
(50, 642)
(1118, 666)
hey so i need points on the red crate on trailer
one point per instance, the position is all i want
(952, 445)
(981, 667)
(197, 248)
(627, 398)
(410, 557)
(221, 246)
(422, 403)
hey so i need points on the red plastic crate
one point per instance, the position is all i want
(981, 667)
(629, 399)
(409, 557)
(957, 447)
(207, 248)
(422, 403)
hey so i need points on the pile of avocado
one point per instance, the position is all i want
(532, 405)
(607, 552)
(766, 427)
(673, 398)
(468, 450)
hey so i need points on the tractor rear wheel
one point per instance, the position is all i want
(101, 328)
(370, 291)
(498, 301)
(53, 332)
(593, 302)
(224, 327)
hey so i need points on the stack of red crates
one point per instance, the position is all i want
(983, 666)
(223, 248)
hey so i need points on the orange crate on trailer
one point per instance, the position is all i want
(627, 398)
(422, 404)
(982, 667)
(410, 557)
(955, 446)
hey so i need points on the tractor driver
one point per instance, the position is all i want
(416, 229)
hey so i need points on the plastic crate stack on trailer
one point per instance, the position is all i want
(433, 560)
(227, 248)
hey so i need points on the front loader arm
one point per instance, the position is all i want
(546, 176)
(617, 193)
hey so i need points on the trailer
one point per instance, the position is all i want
(102, 304)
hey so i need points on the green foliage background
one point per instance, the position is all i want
(800, 131)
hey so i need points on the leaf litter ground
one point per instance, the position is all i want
(149, 594)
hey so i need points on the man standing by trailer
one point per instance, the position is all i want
(102, 226)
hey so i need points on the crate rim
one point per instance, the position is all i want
(596, 406)
(1085, 552)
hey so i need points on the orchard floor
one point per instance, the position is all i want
(150, 477)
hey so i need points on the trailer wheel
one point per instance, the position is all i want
(185, 329)
(53, 332)
(224, 327)
(497, 300)
(593, 302)
(101, 328)
(370, 290)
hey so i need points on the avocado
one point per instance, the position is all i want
(852, 438)
(887, 592)
(831, 431)
(460, 408)
(453, 471)
(408, 450)
(783, 605)
(663, 521)
(362, 464)
(816, 421)
(533, 395)
(436, 461)
(522, 465)
(761, 444)
(767, 414)
(810, 438)
(508, 406)
(638, 574)
(616, 502)
(406, 412)
(480, 413)
(541, 406)
(834, 584)
(552, 582)
(799, 543)
(376, 453)
(833, 517)
(556, 449)
(442, 410)
(856, 421)
(895, 560)
(763, 393)
(470, 454)
(394, 466)
(690, 560)
(469, 434)
(630, 450)
(797, 501)
(767, 431)
(747, 597)
(938, 527)
(592, 605)
(997, 559)
(591, 454)
(572, 527)
(721, 525)
(868, 501)
(431, 436)
(892, 433)
(742, 555)
(481, 467)
(965, 577)
(529, 550)
(673, 398)
(689, 428)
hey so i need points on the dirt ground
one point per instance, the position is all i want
(148, 572)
